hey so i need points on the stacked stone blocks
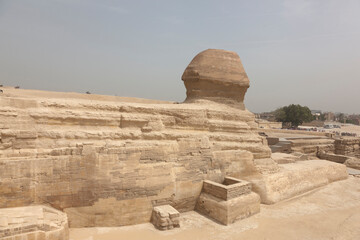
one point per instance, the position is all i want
(228, 202)
(33, 223)
(230, 188)
(165, 217)
(347, 146)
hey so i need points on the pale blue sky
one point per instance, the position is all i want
(304, 52)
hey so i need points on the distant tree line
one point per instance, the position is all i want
(293, 115)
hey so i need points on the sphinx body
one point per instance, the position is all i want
(108, 161)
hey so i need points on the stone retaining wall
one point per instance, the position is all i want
(347, 146)
(92, 158)
(33, 223)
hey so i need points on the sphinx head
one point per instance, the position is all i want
(218, 76)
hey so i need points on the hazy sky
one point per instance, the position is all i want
(303, 52)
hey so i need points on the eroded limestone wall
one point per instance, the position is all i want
(109, 163)
(33, 223)
(348, 146)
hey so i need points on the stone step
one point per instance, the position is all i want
(281, 146)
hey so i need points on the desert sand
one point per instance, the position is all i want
(11, 92)
(350, 128)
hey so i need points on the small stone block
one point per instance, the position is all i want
(165, 217)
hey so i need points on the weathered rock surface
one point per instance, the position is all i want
(165, 217)
(293, 179)
(33, 223)
(312, 145)
(108, 161)
(229, 201)
(347, 146)
(283, 158)
(330, 212)
(353, 162)
(216, 75)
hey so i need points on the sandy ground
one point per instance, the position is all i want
(330, 212)
(292, 134)
(30, 93)
(347, 128)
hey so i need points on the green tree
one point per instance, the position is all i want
(294, 114)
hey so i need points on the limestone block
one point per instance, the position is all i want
(227, 212)
(353, 162)
(283, 158)
(33, 222)
(230, 188)
(228, 201)
(266, 165)
(234, 162)
(4, 221)
(165, 217)
(8, 133)
(332, 157)
(347, 146)
(23, 144)
(312, 145)
(296, 178)
(26, 135)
